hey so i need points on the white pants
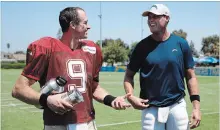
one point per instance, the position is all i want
(82, 126)
(173, 117)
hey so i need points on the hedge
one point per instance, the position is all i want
(12, 65)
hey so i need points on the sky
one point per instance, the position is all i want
(25, 22)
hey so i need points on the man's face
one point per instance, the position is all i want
(157, 23)
(81, 30)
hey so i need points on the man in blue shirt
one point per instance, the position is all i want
(164, 60)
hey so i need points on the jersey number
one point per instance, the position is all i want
(76, 69)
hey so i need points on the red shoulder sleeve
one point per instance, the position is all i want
(37, 58)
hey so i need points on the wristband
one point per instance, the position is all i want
(108, 100)
(194, 97)
(43, 100)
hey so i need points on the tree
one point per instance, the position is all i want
(113, 52)
(210, 46)
(107, 41)
(194, 51)
(8, 46)
(59, 33)
(133, 45)
(122, 43)
(180, 33)
(98, 42)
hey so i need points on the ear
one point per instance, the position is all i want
(168, 18)
(72, 25)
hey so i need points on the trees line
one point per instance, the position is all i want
(116, 50)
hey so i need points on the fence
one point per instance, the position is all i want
(207, 71)
(203, 71)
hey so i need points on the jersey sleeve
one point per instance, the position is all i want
(187, 55)
(37, 59)
(135, 59)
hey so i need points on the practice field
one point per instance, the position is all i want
(16, 115)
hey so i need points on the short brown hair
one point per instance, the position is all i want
(67, 15)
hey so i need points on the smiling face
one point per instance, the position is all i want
(157, 23)
(81, 29)
(73, 21)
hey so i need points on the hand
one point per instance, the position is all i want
(119, 103)
(195, 118)
(58, 105)
(138, 103)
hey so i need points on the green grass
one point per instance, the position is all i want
(20, 116)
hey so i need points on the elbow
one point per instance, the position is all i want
(129, 80)
(14, 92)
(129, 76)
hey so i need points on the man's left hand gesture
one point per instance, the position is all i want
(119, 103)
(195, 118)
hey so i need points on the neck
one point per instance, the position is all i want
(161, 36)
(70, 40)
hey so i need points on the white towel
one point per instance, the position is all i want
(163, 113)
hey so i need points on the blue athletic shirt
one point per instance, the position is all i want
(162, 68)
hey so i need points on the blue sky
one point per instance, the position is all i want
(25, 22)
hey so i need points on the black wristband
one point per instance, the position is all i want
(108, 100)
(194, 97)
(43, 100)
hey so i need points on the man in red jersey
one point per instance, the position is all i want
(79, 61)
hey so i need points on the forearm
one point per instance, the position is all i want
(192, 85)
(27, 95)
(129, 86)
(193, 89)
(99, 94)
(129, 82)
(24, 92)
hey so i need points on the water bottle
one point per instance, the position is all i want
(73, 96)
(56, 84)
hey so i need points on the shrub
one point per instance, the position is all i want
(12, 65)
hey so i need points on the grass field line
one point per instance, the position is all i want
(13, 105)
(120, 123)
(5, 103)
(129, 122)
(30, 107)
(8, 99)
(25, 106)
